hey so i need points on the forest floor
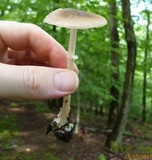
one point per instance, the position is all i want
(22, 137)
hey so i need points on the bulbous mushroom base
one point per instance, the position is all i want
(64, 133)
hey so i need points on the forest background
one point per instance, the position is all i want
(103, 62)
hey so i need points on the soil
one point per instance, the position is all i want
(32, 141)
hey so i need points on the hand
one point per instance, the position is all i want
(32, 64)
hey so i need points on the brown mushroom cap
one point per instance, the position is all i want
(74, 19)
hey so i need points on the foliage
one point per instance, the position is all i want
(93, 49)
(41, 107)
(14, 105)
(101, 157)
(8, 130)
(5, 124)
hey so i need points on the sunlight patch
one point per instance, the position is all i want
(26, 148)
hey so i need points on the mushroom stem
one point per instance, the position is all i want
(64, 112)
(71, 49)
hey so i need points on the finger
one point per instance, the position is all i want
(31, 82)
(12, 54)
(24, 58)
(26, 61)
(19, 36)
(3, 48)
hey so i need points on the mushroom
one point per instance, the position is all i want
(73, 19)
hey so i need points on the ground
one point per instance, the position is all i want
(23, 137)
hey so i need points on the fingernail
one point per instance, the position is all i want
(66, 81)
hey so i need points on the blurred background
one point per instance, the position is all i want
(112, 108)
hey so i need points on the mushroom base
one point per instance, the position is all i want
(63, 133)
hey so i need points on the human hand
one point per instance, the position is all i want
(32, 64)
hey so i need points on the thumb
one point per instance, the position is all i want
(34, 82)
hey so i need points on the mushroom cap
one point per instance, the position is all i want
(75, 19)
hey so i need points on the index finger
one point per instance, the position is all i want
(23, 36)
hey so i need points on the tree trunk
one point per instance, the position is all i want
(76, 131)
(145, 66)
(114, 104)
(144, 92)
(116, 135)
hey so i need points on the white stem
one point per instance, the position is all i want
(64, 112)
(76, 131)
(71, 49)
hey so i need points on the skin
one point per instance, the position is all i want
(32, 64)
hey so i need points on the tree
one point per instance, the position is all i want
(145, 64)
(115, 137)
(114, 91)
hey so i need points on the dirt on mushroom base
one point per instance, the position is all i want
(31, 143)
